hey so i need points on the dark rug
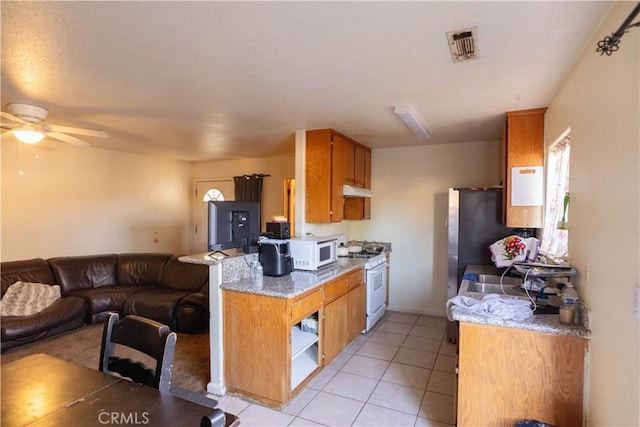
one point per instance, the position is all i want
(189, 376)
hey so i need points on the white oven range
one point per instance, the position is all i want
(376, 280)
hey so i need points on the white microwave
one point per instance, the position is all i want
(311, 253)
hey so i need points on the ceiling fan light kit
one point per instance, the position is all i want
(410, 118)
(28, 136)
(28, 126)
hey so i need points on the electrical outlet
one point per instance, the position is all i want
(636, 302)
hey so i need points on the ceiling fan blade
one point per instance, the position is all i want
(68, 139)
(12, 117)
(5, 134)
(77, 131)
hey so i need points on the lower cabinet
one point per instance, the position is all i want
(335, 328)
(267, 351)
(273, 346)
(345, 316)
(357, 311)
(344, 319)
(508, 375)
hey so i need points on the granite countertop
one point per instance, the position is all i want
(295, 283)
(210, 258)
(545, 323)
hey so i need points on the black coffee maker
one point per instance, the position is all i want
(275, 257)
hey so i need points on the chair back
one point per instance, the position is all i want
(146, 336)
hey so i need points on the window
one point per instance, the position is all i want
(213, 194)
(555, 234)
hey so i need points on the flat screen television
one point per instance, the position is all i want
(234, 224)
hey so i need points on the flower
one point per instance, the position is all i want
(513, 246)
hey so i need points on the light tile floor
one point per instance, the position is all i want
(401, 373)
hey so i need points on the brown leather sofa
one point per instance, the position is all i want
(157, 286)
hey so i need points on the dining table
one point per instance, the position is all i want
(43, 390)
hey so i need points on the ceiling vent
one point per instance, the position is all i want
(463, 44)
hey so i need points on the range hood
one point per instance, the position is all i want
(351, 191)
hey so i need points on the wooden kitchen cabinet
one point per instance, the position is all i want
(508, 375)
(522, 145)
(325, 175)
(332, 160)
(335, 328)
(359, 208)
(344, 314)
(350, 160)
(359, 169)
(356, 311)
(268, 357)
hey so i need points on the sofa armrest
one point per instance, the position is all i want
(30, 270)
(192, 313)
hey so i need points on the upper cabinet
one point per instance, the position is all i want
(325, 175)
(359, 166)
(358, 208)
(333, 160)
(521, 163)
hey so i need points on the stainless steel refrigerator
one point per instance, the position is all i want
(474, 223)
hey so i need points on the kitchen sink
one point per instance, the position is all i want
(494, 288)
(493, 279)
(490, 284)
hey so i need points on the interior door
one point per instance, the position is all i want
(205, 191)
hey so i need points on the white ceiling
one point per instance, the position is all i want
(222, 80)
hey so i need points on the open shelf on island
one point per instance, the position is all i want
(303, 365)
(300, 341)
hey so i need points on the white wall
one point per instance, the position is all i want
(409, 209)
(278, 168)
(73, 201)
(600, 101)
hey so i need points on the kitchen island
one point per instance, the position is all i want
(269, 340)
(512, 370)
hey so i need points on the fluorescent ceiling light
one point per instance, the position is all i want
(410, 118)
(28, 136)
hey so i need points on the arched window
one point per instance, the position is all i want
(213, 194)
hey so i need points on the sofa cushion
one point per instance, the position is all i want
(106, 298)
(184, 276)
(65, 310)
(80, 272)
(29, 270)
(157, 304)
(140, 269)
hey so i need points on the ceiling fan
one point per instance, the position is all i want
(27, 124)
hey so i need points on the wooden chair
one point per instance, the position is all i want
(144, 335)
